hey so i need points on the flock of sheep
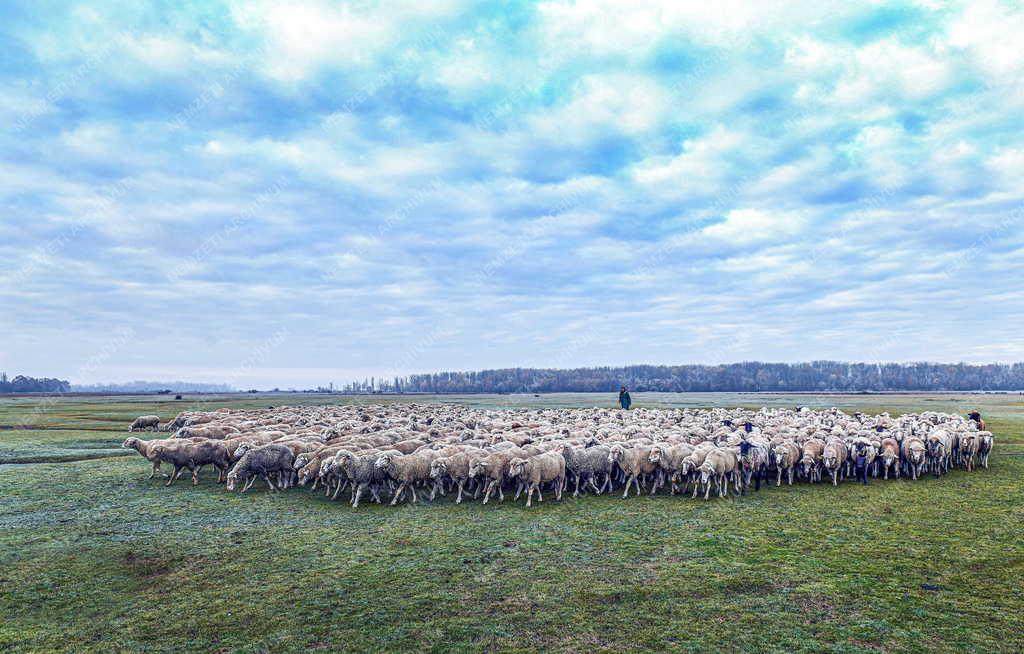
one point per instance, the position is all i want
(404, 448)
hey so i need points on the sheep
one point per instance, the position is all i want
(669, 458)
(635, 463)
(810, 463)
(145, 448)
(940, 448)
(494, 470)
(407, 470)
(362, 472)
(914, 456)
(213, 431)
(176, 452)
(985, 443)
(787, 454)
(691, 464)
(889, 457)
(539, 469)
(719, 466)
(833, 458)
(585, 464)
(262, 461)
(456, 467)
(969, 449)
(144, 423)
(753, 463)
(210, 452)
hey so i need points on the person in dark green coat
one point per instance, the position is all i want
(624, 399)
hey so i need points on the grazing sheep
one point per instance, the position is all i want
(263, 461)
(144, 423)
(537, 470)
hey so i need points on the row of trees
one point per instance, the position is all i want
(749, 376)
(22, 384)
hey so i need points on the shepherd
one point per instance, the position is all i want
(624, 399)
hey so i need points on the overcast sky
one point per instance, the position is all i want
(308, 192)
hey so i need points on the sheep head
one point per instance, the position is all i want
(385, 462)
(478, 468)
(438, 467)
(516, 467)
(616, 453)
(131, 443)
(707, 471)
(657, 452)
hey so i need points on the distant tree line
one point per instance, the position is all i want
(23, 384)
(748, 376)
(152, 386)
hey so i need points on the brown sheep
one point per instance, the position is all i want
(145, 448)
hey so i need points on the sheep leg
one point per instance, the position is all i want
(576, 493)
(356, 493)
(519, 489)
(248, 485)
(594, 486)
(458, 500)
(398, 493)
(559, 490)
(501, 493)
(270, 483)
(177, 470)
(540, 495)
(487, 492)
(625, 493)
(412, 489)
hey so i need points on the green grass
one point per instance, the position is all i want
(95, 558)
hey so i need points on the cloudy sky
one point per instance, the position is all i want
(295, 193)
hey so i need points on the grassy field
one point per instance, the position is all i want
(95, 558)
